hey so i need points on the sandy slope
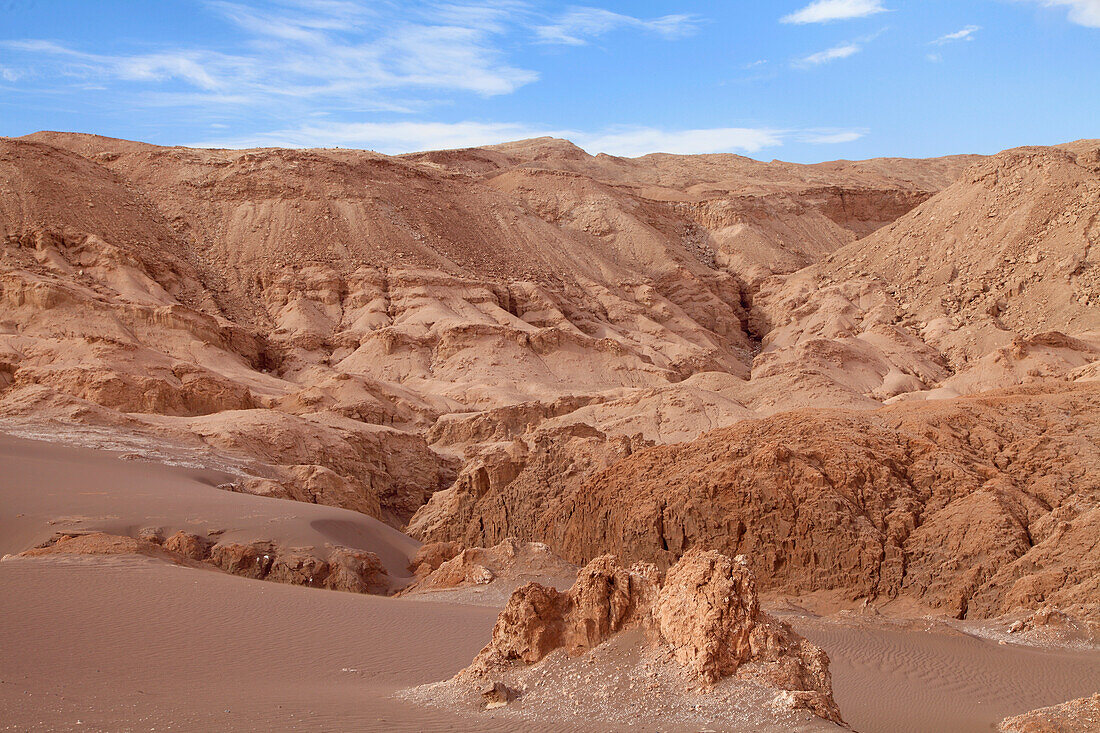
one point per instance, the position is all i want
(47, 488)
(128, 644)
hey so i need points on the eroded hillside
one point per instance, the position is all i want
(480, 343)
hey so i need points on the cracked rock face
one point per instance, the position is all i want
(707, 610)
(606, 598)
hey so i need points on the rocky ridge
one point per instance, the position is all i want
(338, 568)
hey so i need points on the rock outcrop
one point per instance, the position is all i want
(339, 568)
(189, 545)
(706, 612)
(101, 543)
(605, 599)
(526, 475)
(431, 555)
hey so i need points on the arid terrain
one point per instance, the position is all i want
(547, 440)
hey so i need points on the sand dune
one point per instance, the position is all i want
(911, 681)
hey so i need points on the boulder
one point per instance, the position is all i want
(498, 695)
(189, 545)
(298, 567)
(250, 561)
(356, 571)
(530, 626)
(707, 610)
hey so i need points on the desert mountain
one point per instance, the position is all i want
(485, 343)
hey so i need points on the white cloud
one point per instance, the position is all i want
(835, 53)
(577, 25)
(1081, 12)
(966, 34)
(404, 137)
(294, 56)
(830, 137)
(385, 137)
(823, 11)
(643, 140)
(341, 53)
(10, 75)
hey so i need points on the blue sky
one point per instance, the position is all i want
(802, 80)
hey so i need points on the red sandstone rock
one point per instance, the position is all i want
(189, 545)
(431, 555)
(356, 571)
(510, 560)
(706, 612)
(250, 561)
(298, 567)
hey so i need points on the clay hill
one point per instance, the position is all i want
(875, 385)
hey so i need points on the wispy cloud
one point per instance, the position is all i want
(403, 137)
(632, 142)
(835, 53)
(298, 55)
(829, 137)
(578, 24)
(966, 34)
(340, 53)
(824, 11)
(1081, 12)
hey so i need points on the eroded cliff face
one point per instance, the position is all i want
(974, 506)
(479, 344)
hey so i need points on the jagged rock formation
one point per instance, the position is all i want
(1075, 716)
(706, 612)
(605, 599)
